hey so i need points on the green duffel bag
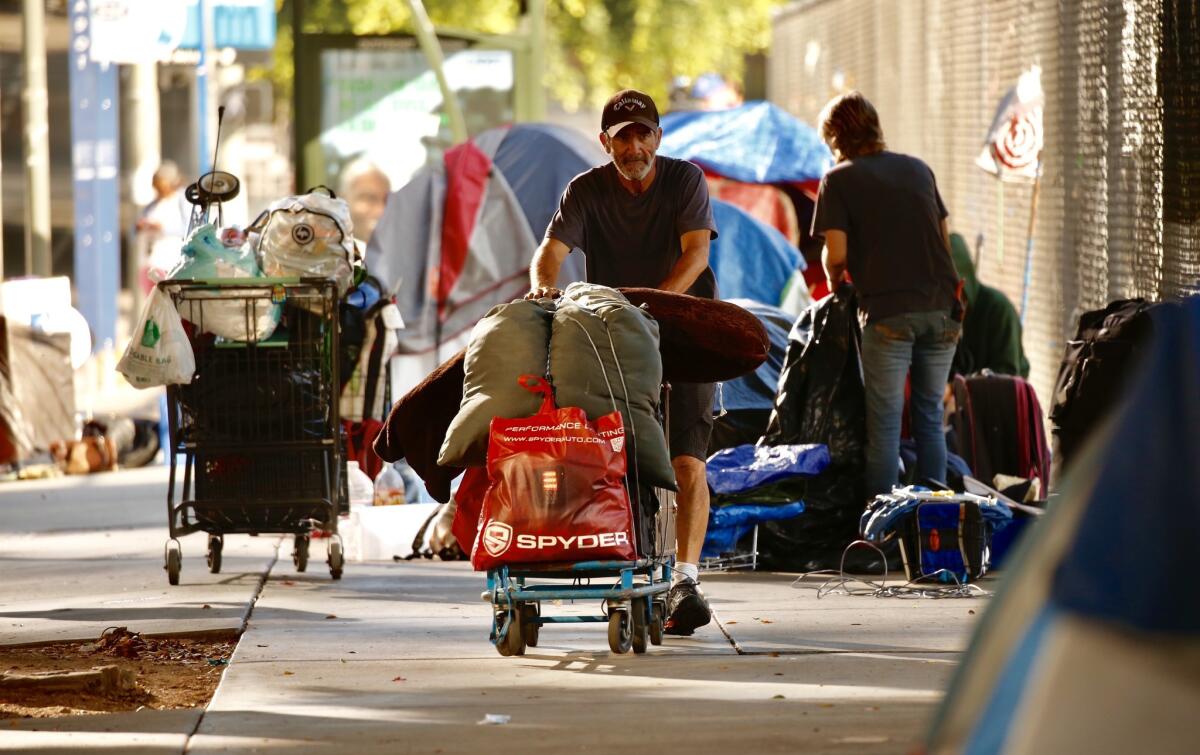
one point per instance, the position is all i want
(604, 354)
(510, 341)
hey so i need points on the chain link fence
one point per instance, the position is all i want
(1119, 208)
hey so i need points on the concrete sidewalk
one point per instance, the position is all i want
(79, 554)
(82, 554)
(395, 656)
(396, 659)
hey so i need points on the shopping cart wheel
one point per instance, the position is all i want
(300, 552)
(529, 613)
(620, 636)
(640, 609)
(336, 559)
(215, 544)
(656, 623)
(511, 639)
(174, 561)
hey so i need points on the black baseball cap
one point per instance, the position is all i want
(625, 107)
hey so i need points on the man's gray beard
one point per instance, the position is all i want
(627, 177)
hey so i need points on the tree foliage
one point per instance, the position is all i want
(593, 47)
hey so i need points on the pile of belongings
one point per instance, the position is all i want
(299, 236)
(942, 535)
(440, 427)
(820, 400)
(741, 479)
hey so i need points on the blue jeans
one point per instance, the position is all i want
(924, 341)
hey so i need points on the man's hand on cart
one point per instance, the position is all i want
(544, 292)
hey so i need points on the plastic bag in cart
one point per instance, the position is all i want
(556, 490)
(159, 352)
(231, 314)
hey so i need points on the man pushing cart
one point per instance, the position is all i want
(644, 220)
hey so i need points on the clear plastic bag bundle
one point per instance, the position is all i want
(307, 235)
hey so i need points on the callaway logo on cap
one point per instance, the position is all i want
(626, 107)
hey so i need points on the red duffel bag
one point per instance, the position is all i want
(556, 490)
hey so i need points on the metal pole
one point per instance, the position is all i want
(1033, 203)
(427, 37)
(205, 78)
(537, 60)
(144, 137)
(37, 140)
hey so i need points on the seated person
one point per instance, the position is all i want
(991, 330)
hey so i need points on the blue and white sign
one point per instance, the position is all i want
(241, 24)
(95, 162)
(144, 31)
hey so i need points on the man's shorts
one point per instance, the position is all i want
(691, 420)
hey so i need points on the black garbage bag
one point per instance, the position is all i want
(821, 400)
(239, 395)
(820, 397)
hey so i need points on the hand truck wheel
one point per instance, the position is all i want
(620, 636)
(657, 622)
(336, 560)
(640, 610)
(300, 552)
(174, 561)
(529, 613)
(216, 544)
(509, 640)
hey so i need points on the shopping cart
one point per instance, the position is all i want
(257, 428)
(632, 593)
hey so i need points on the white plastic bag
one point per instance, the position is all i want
(159, 352)
(309, 234)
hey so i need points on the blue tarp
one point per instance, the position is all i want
(756, 390)
(729, 524)
(755, 143)
(751, 259)
(734, 470)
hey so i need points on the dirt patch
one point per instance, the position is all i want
(170, 673)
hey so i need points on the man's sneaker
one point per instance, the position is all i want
(687, 610)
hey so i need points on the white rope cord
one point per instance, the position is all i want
(599, 361)
(628, 407)
(632, 430)
(840, 583)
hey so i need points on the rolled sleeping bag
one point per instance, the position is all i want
(703, 340)
(604, 355)
(510, 341)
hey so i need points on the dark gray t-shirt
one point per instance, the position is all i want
(890, 209)
(632, 240)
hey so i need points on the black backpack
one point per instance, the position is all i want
(1094, 369)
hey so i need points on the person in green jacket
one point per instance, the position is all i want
(991, 332)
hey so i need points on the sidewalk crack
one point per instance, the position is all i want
(262, 582)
